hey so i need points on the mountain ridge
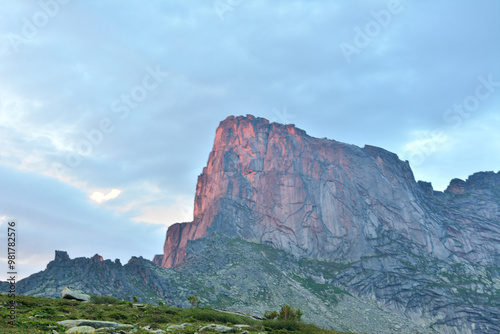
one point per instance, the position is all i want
(321, 199)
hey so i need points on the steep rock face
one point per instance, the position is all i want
(433, 257)
(274, 184)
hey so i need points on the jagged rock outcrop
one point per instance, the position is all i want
(93, 276)
(320, 199)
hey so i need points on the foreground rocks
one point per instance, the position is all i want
(72, 293)
(93, 326)
(81, 330)
(96, 326)
(92, 323)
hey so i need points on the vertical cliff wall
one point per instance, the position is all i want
(272, 183)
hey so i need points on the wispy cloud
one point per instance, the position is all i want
(99, 197)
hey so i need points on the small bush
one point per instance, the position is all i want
(169, 310)
(118, 316)
(270, 315)
(288, 325)
(105, 300)
(195, 302)
(209, 315)
(68, 302)
(48, 310)
(286, 313)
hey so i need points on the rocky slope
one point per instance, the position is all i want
(345, 233)
(226, 273)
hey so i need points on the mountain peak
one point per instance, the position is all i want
(264, 181)
(61, 256)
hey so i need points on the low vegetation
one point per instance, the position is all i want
(40, 315)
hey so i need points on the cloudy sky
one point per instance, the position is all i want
(108, 109)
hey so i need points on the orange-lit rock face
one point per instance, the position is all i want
(274, 184)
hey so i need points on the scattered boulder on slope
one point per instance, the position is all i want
(72, 293)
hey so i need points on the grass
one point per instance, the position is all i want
(40, 315)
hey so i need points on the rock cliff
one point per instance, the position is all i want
(410, 247)
(274, 184)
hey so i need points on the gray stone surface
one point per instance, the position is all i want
(217, 328)
(80, 330)
(72, 293)
(92, 323)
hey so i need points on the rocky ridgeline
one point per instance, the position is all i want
(230, 274)
(343, 232)
(95, 276)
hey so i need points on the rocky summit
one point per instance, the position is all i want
(343, 232)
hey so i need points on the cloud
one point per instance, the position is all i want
(101, 198)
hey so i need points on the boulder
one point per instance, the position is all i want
(242, 326)
(80, 330)
(72, 293)
(217, 328)
(92, 323)
(175, 327)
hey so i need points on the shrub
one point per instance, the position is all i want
(118, 316)
(195, 302)
(270, 315)
(286, 313)
(288, 325)
(105, 300)
(209, 315)
(48, 310)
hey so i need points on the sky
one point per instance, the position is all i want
(108, 109)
